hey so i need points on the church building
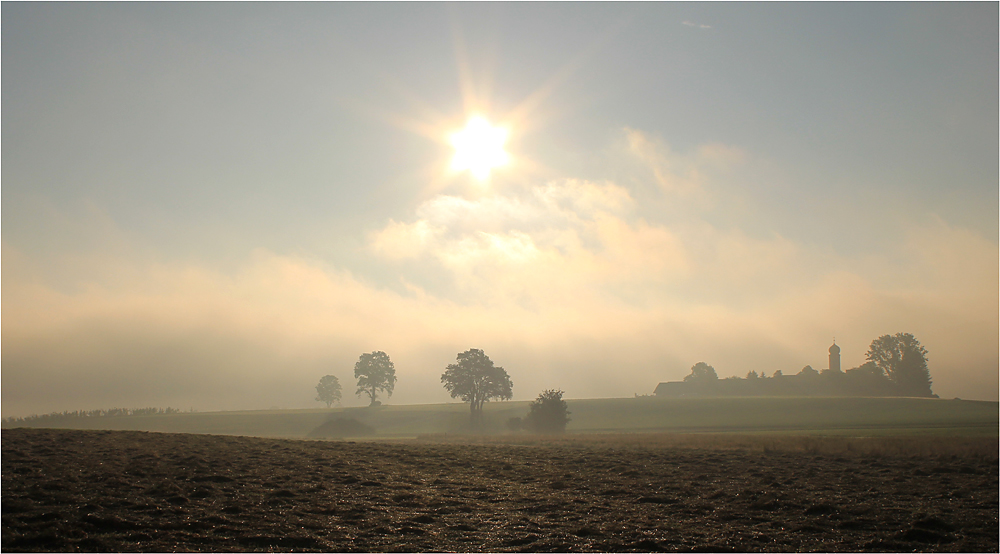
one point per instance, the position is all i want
(803, 383)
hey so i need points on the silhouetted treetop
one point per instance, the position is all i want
(328, 390)
(549, 413)
(476, 380)
(904, 361)
(375, 372)
(701, 373)
(808, 371)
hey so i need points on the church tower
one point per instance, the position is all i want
(834, 356)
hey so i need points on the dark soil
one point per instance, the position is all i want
(69, 490)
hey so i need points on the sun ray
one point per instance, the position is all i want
(479, 148)
(531, 103)
(466, 82)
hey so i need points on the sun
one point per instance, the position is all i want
(479, 148)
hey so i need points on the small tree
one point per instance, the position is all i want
(702, 373)
(549, 413)
(476, 380)
(904, 361)
(328, 390)
(375, 372)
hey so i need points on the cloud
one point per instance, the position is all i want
(401, 240)
(696, 25)
(579, 249)
(684, 175)
(611, 318)
(571, 236)
(564, 283)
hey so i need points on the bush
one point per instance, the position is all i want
(340, 427)
(515, 424)
(548, 414)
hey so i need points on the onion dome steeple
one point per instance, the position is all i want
(835, 357)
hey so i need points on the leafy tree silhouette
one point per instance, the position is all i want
(549, 413)
(702, 373)
(904, 361)
(808, 371)
(476, 380)
(375, 372)
(328, 390)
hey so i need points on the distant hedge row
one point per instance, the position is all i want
(59, 417)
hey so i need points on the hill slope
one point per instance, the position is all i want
(853, 416)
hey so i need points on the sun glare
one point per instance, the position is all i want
(479, 148)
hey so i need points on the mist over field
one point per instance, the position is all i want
(212, 206)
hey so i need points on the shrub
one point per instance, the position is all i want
(515, 424)
(548, 414)
(341, 427)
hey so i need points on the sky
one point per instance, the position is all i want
(210, 206)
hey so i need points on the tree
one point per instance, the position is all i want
(548, 413)
(808, 371)
(374, 373)
(904, 361)
(702, 373)
(328, 390)
(476, 380)
(869, 380)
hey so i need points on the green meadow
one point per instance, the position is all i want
(800, 416)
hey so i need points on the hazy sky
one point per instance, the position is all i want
(213, 205)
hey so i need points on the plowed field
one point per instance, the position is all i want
(67, 490)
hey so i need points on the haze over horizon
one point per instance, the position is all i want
(211, 206)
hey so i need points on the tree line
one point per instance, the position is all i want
(896, 366)
(57, 417)
(473, 377)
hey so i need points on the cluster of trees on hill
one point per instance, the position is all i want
(59, 417)
(375, 373)
(896, 366)
(473, 377)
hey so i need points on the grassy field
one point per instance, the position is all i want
(815, 416)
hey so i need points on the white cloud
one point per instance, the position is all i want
(575, 198)
(573, 236)
(404, 240)
(683, 175)
(610, 318)
(563, 283)
(696, 25)
(579, 249)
